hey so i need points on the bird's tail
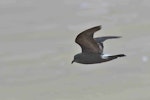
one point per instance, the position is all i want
(116, 56)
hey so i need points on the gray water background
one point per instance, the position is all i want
(37, 47)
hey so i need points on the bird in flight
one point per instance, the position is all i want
(92, 48)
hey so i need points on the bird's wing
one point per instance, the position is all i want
(86, 41)
(102, 39)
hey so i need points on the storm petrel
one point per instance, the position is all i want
(92, 48)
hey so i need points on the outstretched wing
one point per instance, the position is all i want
(102, 39)
(86, 41)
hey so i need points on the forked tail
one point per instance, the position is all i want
(116, 56)
(120, 55)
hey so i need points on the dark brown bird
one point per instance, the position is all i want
(92, 48)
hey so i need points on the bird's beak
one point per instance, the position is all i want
(72, 62)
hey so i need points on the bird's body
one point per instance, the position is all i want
(87, 58)
(93, 58)
(92, 48)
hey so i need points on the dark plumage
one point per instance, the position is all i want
(92, 48)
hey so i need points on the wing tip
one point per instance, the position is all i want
(98, 27)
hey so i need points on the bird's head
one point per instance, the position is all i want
(73, 61)
(76, 58)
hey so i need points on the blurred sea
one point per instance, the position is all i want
(37, 47)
